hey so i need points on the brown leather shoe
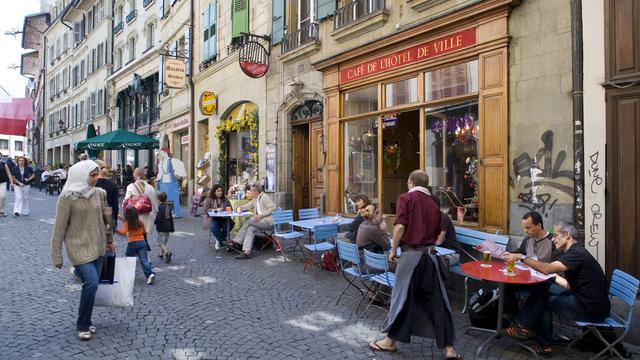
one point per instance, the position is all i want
(244, 256)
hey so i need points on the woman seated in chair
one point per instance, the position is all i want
(372, 233)
(217, 202)
(361, 201)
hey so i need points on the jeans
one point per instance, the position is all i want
(139, 249)
(89, 273)
(219, 229)
(545, 299)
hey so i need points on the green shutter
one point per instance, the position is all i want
(277, 27)
(325, 8)
(239, 18)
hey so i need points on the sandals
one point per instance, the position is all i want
(376, 347)
(517, 332)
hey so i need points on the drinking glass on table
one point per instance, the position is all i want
(511, 267)
(228, 209)
(486, 259)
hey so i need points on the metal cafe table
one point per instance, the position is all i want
(496, 274)
(309, 224)
(229, 215)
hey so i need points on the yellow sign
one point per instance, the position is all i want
(208, 103)
(175, 71)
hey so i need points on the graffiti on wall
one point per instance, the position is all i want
(595, 184)
(546, 176)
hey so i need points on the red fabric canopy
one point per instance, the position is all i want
(14, 115)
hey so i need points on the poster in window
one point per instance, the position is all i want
(270, 168)
(363, 166)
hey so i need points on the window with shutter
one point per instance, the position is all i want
(93, 105)
(277, 26)
(213, 16)
(239, 18)
(325, 8)
(187, 51)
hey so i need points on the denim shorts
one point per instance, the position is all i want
(163, 238)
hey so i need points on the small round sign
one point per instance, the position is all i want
(253, 59)
(208, 103)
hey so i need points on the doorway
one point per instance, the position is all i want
(400, 154)
(300, 174)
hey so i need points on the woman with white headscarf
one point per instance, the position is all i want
(140, 187)
(80, 226)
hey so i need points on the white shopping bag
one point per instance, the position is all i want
(120, 293)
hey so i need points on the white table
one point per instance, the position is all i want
(309, 224)
(229, 215)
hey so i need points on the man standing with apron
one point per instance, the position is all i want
(419, 303)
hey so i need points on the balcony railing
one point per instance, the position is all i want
(118, 28)
(145, 118)
(130, 123)
(355, 11)
(146, 3)
(303, 36)
(132, 15)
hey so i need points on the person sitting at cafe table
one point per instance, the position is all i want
(217, 202)
(372, 234)
(262, 207)
(361, 201)
(581, 295)
(537, 244)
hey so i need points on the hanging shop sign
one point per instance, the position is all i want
(424, 51)
(253, 59)
(181, 123)
(208, 103)
(175, 71)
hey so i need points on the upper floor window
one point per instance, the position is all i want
(305, 13)
(119, 58)
(132, 49)
(239, 18)
(18, 145)
(150, 35)
(209, 17)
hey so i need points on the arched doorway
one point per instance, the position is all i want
(307, 155)
(237, 136)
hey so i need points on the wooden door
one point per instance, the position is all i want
(316, 163)
(300, 173)
(623, 176)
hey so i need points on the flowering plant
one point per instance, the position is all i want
(249, 121)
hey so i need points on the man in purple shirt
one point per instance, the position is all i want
(419, 303)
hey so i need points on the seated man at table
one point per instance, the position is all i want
(580, 295)
(538, 245)
(262, 207)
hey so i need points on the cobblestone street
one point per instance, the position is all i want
(201, 307)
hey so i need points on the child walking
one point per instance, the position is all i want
(136, 246)
(164, 226)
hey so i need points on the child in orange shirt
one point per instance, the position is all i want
(137, 246)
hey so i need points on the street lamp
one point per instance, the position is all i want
(62, 126)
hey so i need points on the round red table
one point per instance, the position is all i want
(495, 274)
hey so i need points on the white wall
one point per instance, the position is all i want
(11, 151)
(594, 128)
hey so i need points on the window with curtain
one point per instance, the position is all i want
(209, 17)
(360, 161)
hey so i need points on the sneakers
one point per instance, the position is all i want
(216, 245)
(84, 335)
(16, 214)
(168, 257)
(93, 329)
(151, 279)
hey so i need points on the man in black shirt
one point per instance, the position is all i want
(112, 191)
(580, 295)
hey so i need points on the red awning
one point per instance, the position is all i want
(14, 114)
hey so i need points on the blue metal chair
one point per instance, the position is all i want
(624, 287)
(383, 278)
(310, 213)
(319, 244)
(349, 261)
(282, 231)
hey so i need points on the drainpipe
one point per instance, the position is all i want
(192, 113)
(578, 113)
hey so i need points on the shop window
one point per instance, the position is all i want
(455, 80)
(451, 158)
(361, 101)
(242, 169)
(360, 161)
(401, 92)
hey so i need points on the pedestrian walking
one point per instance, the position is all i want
(135, 232)
(5, 180)
(79, 224)
(23, 174)
(140, 187)
(104, 182)
(419, 303)
(164, 226)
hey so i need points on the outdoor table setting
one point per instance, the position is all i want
(309, 224)
(502, 273)
(228, 213)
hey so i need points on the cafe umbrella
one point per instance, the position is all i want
(91, 133)
(118, 140)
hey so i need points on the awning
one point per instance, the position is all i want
(118, 140)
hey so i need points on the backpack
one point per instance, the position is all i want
(328, 261)
(483, 309)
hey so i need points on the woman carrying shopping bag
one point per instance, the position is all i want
(140, 188)
(80, 225)
(23, 174)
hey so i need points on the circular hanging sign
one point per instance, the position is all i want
(208, 103)
(253, 59)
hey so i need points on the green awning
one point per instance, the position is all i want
(118, 140)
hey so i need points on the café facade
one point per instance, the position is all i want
(431, 97)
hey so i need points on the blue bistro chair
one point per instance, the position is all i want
(283, 231)
(310, 213)
(349, 261)
(319, 244)
(624, 287)
(380, 279)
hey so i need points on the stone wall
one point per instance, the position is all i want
(540, 112)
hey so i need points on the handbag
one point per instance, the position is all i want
(108, 269)
(141, 202)
(120, 292)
